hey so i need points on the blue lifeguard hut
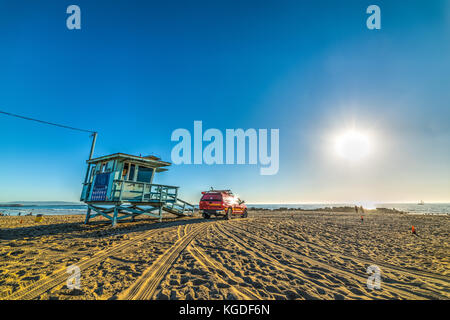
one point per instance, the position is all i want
(120, 186)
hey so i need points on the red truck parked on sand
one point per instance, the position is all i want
(221, 203)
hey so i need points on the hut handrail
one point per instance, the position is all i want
(146, 183)
(185, 202)
(159, 192)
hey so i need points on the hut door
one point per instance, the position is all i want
(100, 187)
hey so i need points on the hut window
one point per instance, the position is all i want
(144, 174)
(132, 170)
(125, 171)
(92, 173)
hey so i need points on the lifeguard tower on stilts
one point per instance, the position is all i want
(120, 186)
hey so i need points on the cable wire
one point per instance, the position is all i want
(45, 122)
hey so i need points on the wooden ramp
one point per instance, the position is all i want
(179, 207)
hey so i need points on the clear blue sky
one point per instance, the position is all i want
(137, 70)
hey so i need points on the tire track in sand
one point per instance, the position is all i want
(145, 286)
(386, 266)
(58, 277)
(336, 271)
(273, 262)
(221, 273)
(415, 271)
(180, 231)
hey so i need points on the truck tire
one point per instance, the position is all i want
(228, 214)
(206, 215)
(244, 215)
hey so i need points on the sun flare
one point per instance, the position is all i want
(353, 145)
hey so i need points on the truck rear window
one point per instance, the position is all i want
(212, 197)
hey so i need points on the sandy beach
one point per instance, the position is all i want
(269, 255)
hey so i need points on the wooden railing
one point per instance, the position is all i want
(85, 191)
(180, 206)
(142, 192)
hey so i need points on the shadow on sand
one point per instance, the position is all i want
(95, 229)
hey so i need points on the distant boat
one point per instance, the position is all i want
(421, 203)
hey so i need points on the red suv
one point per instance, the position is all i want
(223, 203)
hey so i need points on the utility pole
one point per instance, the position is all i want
(94, 140)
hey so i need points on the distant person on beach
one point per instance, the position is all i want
(356, 209)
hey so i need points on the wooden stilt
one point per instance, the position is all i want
(120, 211)
(114, 219)
(88, 215)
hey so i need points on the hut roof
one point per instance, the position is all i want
(149, 161)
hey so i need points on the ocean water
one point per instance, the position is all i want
(58, 209)
(43, 208)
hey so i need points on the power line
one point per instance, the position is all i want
(45, 122)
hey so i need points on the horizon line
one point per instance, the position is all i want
(270, 203)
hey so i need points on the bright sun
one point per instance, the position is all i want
(353, 145)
